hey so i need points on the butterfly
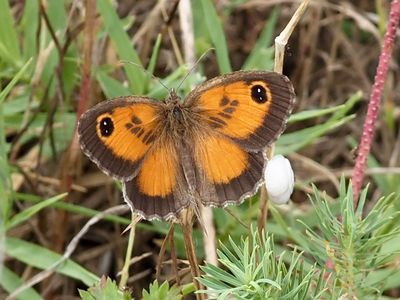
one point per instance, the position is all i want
(206, 150)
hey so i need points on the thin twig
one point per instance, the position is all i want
(163, 249)
(174, 258)
(174, 43)
(186, 222)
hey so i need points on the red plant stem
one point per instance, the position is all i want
(375, 100)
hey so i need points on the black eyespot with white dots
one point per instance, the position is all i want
(259, 94)
(106, 126)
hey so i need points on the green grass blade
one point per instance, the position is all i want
(112, 88)
(261, 57)
(123, 45)
(58, 16)
(8, 34)
(153, 60)
(291, 142)
(5, 177)
(16, 78)
(314, 113)
(5, 180)
(5, 56)
(216, 32)
(172, 80)
(29, 26)
(353, 100)
(31, 211)
(42, 258)
(11, 281)
(77, 209)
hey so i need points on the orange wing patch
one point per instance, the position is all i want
(237, 109)
(220, 159)
(157, 176)
(128, 131)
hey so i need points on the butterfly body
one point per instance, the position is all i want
(204, 150)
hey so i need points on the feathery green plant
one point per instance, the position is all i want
(357, 250)
(253, 270)
(160, 292)
(103, 290)
(356, 247)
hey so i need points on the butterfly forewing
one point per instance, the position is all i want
(117, 134)
(250, 107)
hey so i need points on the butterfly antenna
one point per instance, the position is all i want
(148, 73)
(194, 66)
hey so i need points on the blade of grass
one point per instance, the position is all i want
(16, 78)
(153, 61)
(42, 258)
(5, 179)
(31, 211)
(11, 281)
(125, 50)
(8, 35)
(57, 16)
(292, 142)
(73, 208)
(262, 54)
(214, 26)
(29, 24)
(314, 113)
(356, 97)
(112, 88)
(172, 80)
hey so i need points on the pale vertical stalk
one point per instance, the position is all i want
(282, 39)
(375, 100)
(125, 269)
(186, 25)
(206, 215)
(280, 44)
(209, 235)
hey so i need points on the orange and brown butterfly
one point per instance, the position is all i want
(207, 149)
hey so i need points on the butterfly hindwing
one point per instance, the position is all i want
(227, 173)
(159, 189)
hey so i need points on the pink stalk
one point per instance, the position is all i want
(375, 100)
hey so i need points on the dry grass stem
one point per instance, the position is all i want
(125, 269)
(280, 44)
(186, 222)
(186, 25)
(282, 39)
